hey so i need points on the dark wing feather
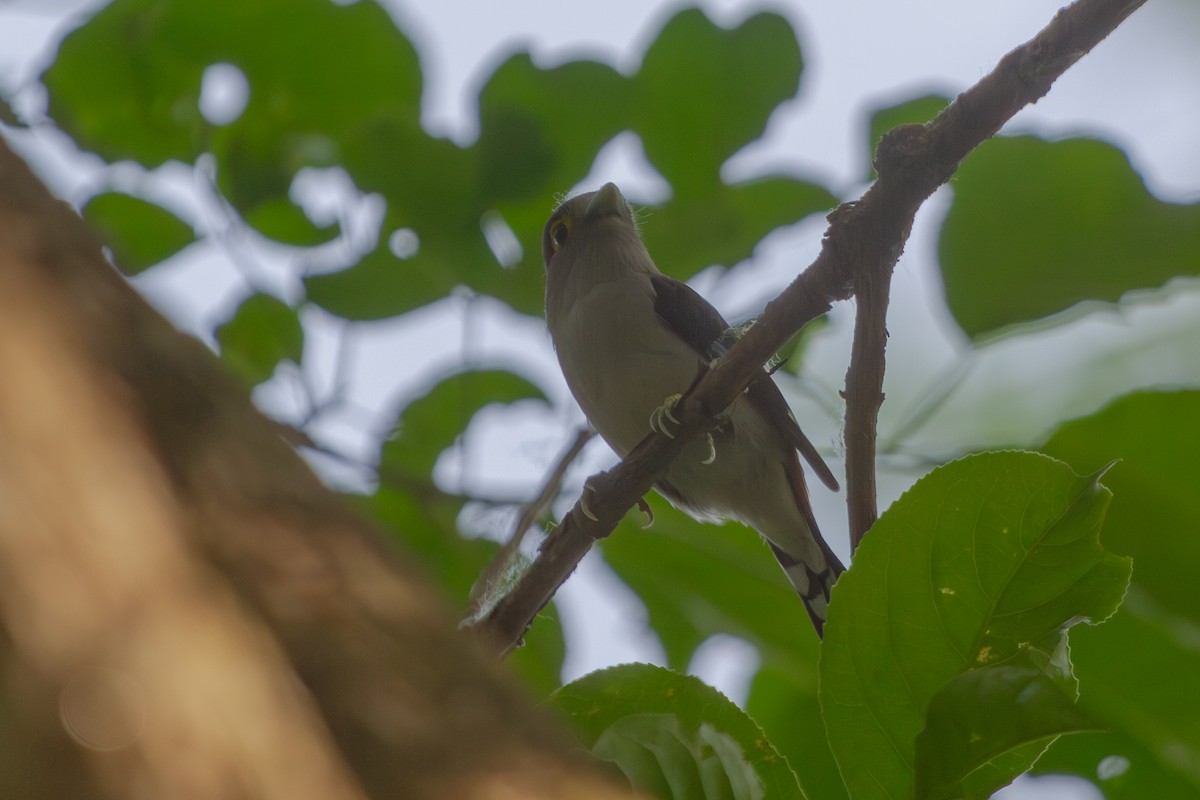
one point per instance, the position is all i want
(765, 396)
(694, 320)
(687, 314)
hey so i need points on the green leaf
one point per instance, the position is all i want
(1138, 677)
(690, 234)
(977, 564)
(262, 332)
(1115, 764)
(698, 580)
(1154, 439)
(429, 424)
(1137, 672)
(283, 221)
(127, 84)
(919, 110)
(986, 717)
(1037, 227)
(380, 285)
(704, 92)
(674, 736)
(540, 129)
(783, 700)
(139, 233)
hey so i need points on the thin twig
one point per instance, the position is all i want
(866, 236)
(490, 577)
(864, 396)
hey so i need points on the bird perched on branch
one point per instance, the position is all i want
(630, 339)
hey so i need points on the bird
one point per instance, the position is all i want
(630, 339)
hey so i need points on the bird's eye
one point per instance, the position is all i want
(560, 232)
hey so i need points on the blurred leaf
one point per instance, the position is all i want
(724, 227)
(139, 233)
(1115, 764)
(380, 285)
(1155, 517)
(8, 114)
(698, 580)
(1138, 676)
(539, 659)
(784, 702)
(540, 129)
(424, 518)
(704, 92)
(127, 84)
(1138, 672)
(430, 424)
(985, 718)
(283, 221)
(674, 736)
(262, 332)
(977, 563)
(919, 110)
(1038, 226)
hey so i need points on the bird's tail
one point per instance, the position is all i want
(813, 575)
(813, 585)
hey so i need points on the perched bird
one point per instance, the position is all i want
(629, 339)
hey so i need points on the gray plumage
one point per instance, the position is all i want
(628, 337)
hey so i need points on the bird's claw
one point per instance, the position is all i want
(645, 507)
(712, 449)
(661, 415)
(583, 506)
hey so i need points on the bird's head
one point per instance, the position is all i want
(596, 224)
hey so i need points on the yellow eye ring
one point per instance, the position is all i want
(560, 234)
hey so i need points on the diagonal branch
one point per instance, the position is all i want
(864, 238)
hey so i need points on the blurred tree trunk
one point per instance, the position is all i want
(186, 611)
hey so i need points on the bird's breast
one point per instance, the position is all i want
(619, 359)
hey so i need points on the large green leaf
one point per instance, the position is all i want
(139, 233)
(687, 235)
(126, 84)
(1037, 227)
(1138, 673)
(263, 331)
(674, 736)
(540, 129)
(1154, 437)
(783, 700)
(698, 580)
(704, 92)
(1116, 764)
(988, 724)
(978, 565)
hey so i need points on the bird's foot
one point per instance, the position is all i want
(662, 415)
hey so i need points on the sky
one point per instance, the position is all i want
(1137, 90)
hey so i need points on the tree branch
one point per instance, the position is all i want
(864, 396)
(864, 237)
(487, 583)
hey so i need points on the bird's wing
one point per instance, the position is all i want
(693, 319)
(688, 315)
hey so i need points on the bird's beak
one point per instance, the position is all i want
(608, 202)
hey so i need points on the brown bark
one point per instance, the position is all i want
(186, 611)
